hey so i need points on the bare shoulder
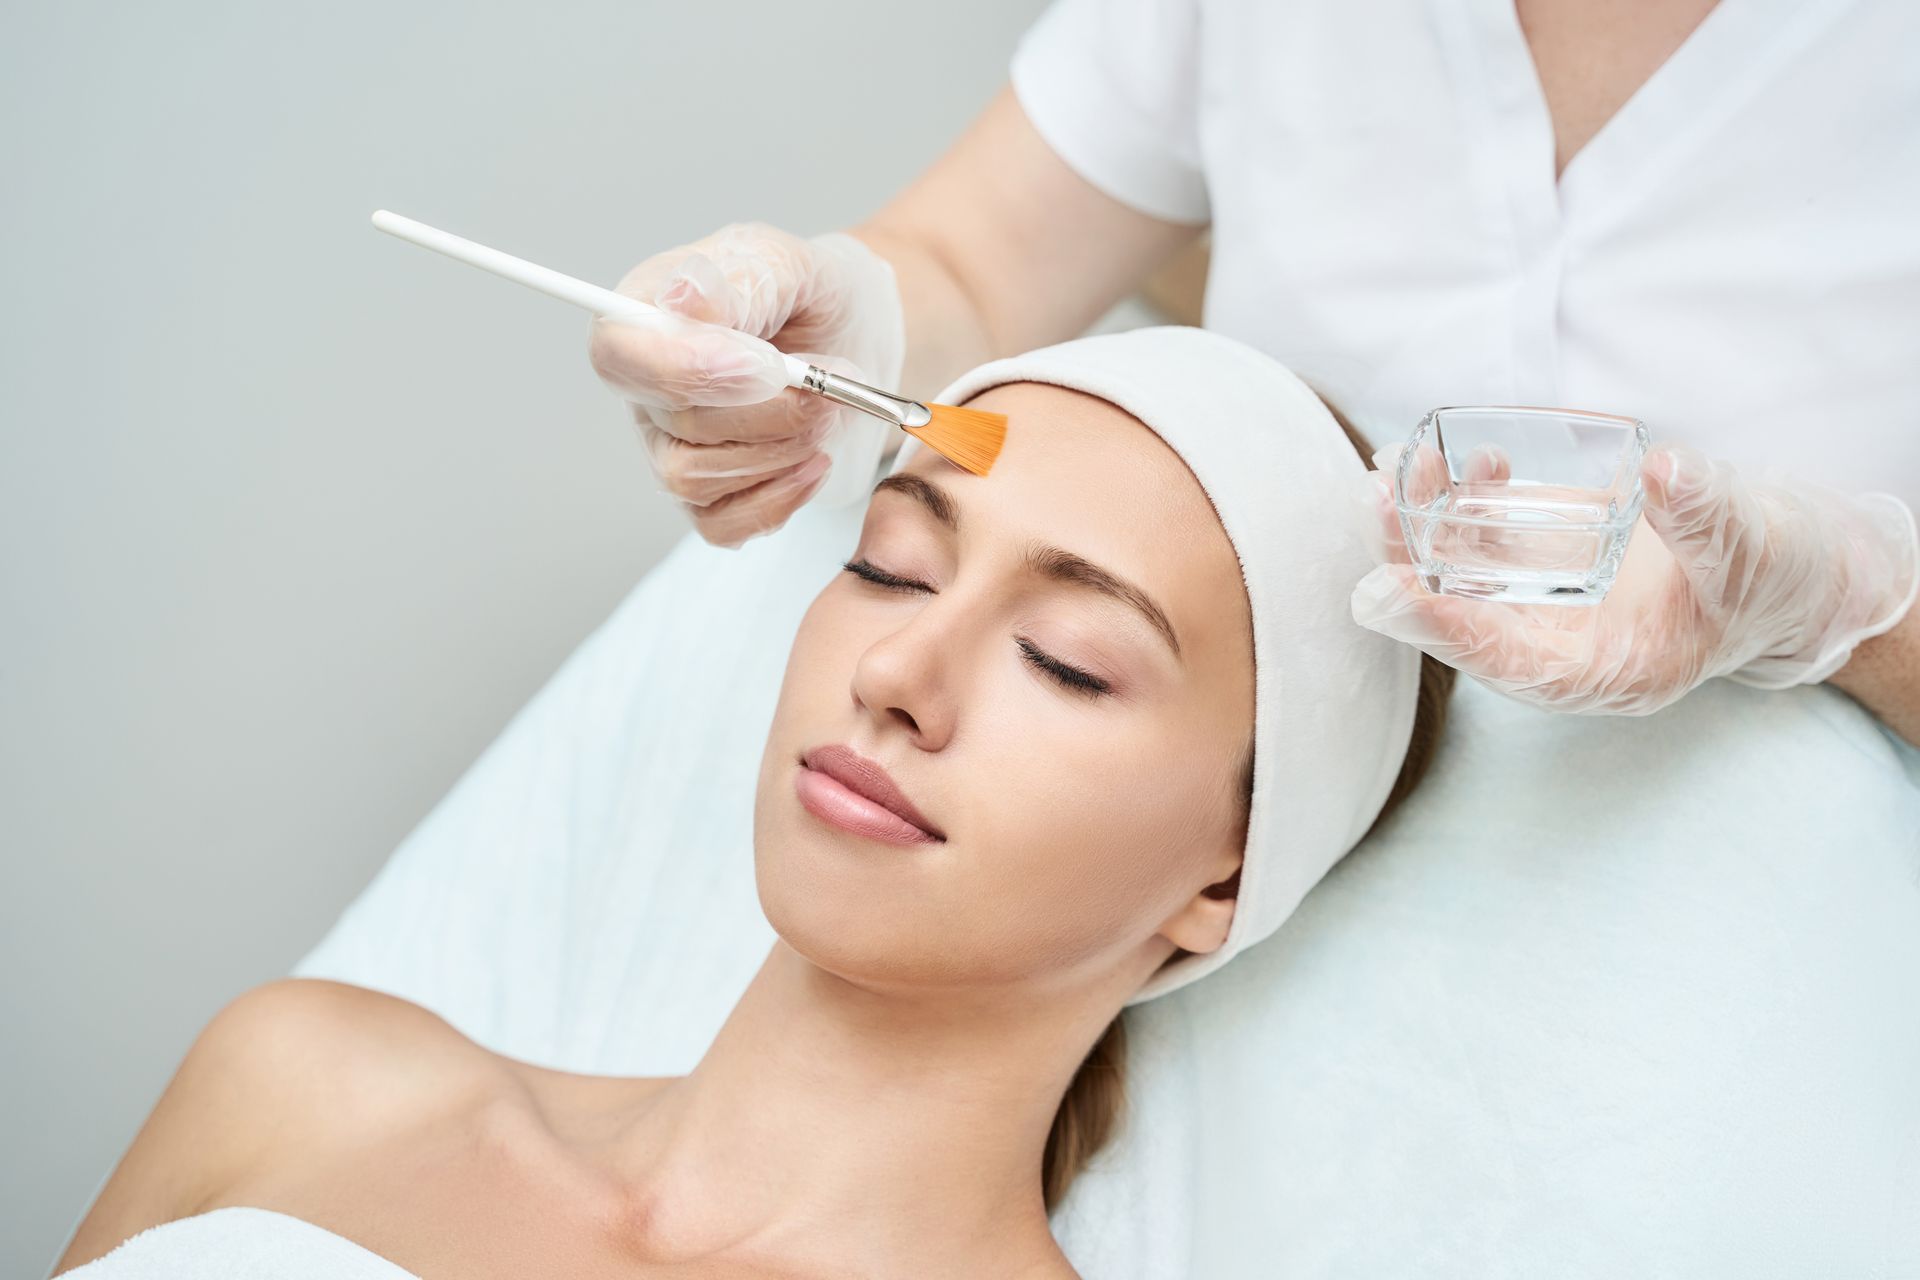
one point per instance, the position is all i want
(296, 1066)
(311, 1061)
(324, 1043)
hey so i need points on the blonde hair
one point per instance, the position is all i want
(1090, 1110)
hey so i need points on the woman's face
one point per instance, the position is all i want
(1000, 649)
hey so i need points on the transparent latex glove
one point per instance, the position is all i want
(707, 386)
(1769, 584)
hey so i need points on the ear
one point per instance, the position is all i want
(1201, 925)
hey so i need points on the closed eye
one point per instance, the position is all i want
(1068, 677)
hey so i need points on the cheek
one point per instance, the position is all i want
(1095, 829)
(820, 665)
(816, 682)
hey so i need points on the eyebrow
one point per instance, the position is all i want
(1042, 558)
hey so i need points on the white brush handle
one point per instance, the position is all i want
(856, 454)
(555, 284)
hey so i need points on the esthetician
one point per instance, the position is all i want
(1694, 213)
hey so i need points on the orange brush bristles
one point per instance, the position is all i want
(968, 438)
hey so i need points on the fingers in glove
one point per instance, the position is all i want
(1713, 524)
(1379, 522)
(747, 276)
(1487, 464)
(1517, 649)
(670, 362)
(791, 414)
(701, 474)
(1427, 481)
(761, 508)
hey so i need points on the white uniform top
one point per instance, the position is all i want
(1734, 257)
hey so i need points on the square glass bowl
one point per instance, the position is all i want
(1529, 506)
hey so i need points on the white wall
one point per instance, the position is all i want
(293, 516)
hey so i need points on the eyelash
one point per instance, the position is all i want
(1070, 678)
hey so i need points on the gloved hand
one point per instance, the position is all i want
(1769, 584)
(708, 389)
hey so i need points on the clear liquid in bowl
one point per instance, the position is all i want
(1522, 543)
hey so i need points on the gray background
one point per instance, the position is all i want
(294, 516)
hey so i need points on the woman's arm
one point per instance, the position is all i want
(1000, 247)
(1883, 675)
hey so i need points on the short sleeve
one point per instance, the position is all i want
(1113, 87)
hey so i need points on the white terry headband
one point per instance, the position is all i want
(1334, 702)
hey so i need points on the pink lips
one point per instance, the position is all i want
(838, 785)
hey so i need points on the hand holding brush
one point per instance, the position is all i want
(692, 358)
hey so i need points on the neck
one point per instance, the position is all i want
(859, 1132)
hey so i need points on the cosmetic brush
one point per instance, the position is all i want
(969, 438)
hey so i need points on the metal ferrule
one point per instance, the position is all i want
(898, 410)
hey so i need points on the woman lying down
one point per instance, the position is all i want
(1059, 739)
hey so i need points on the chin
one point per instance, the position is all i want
(855, 907)
(879, 915)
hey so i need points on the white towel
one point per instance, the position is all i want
(239, 1244)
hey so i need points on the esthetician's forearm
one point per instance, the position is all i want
(1000, 247)
(946, 332)
(1883, 675)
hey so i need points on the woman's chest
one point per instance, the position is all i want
(1592, 58)
(465, 1198)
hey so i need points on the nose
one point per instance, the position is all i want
(907, 678)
